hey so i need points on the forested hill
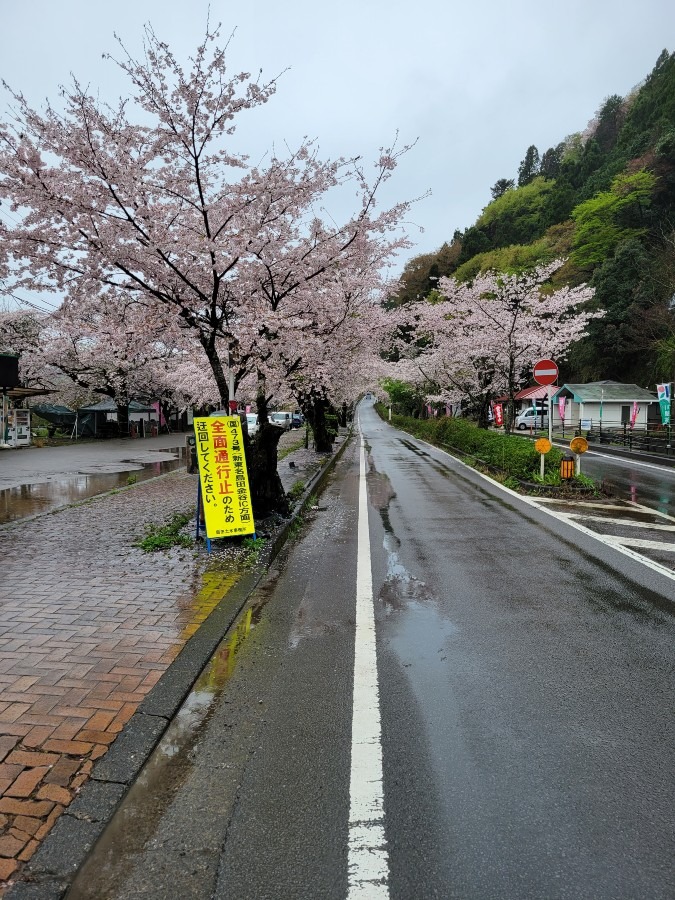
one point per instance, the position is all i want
(605, 200)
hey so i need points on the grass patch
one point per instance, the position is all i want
(296, 491)
(252, 548)
(299, 445)
(164, 537)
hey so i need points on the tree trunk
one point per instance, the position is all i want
(123, 417)
(267, 491)
(317, 411)
(221, 379)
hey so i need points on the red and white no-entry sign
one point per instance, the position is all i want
(545, 372)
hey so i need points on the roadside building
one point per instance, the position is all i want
(602, 404)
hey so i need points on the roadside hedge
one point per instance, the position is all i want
(515, 456)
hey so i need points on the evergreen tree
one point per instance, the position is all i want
(551, 160)
(501, 187)
(529, 167)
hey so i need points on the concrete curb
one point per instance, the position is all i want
(52, 869)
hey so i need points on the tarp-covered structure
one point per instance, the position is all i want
(106, 416)
(65, 419)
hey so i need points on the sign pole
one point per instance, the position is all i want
(545, 372)
(542, 446)
(578, 446)
(199, 508)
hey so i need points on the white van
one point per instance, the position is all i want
(282, 419)
(531, 418)
(252, 423)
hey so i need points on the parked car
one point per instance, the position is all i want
(297, 420)
(532, 418)
(282, 419)
(251, 419)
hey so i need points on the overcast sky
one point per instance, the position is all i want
(474, 82)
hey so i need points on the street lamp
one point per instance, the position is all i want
(567, 467)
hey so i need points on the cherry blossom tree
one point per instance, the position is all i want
(160, 207)
(483, 338)
(104, 345)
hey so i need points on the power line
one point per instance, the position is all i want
(9, 215)
(24, 302)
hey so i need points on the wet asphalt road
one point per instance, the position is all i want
(526, 691)
(629, 479)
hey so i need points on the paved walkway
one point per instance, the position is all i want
(88, 624)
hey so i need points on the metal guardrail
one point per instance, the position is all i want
(641, 440)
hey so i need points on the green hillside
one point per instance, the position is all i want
(604, 200)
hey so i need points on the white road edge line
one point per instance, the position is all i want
(368, 861)
(634, 462)
(562, 517)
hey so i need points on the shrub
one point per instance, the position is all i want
(514, 456)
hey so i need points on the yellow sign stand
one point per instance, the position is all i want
(542, 445)
(578, 445)
(226, 495)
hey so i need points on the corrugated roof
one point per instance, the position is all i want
(607, 391)
(536, 392)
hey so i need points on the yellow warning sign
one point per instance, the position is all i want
(226, 495)
(578, 445)
(542, 445)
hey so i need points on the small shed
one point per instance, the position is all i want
(106, 413)
(602, 404)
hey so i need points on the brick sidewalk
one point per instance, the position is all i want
(88, 624)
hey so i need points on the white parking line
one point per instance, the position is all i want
(644, 544)
(611, 521)
(368, 856)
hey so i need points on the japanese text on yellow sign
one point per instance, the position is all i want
(222, 471)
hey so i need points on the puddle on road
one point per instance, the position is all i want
(400, 588)
(29, 499)
(381, 493)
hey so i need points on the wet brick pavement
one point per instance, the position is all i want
(88, 624)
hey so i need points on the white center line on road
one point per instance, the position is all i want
(368, 855)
